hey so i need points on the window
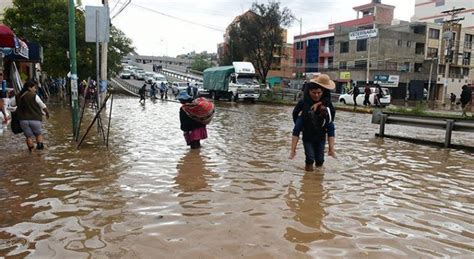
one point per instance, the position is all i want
(344, 48)
(468, 39)
(362, 45)
(433, 34)
(330, 62)
(418, 67)
(399, 42)
(439, 2)
(342, 65)
(361, 63)
(419, 48)
(432, 52)
(299, 44)
(409, 44)
(391, 65)
(466, 58)
(405, 67)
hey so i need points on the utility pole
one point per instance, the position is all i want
(73, 64)
(449, 55)
(104, 45)
(367, 77)
(299, 52)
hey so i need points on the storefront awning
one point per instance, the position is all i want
(7, 37)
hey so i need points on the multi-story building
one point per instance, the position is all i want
(314, 51)
(431, 11)
(410, 53)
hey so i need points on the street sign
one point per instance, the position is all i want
(363, 34)
(345, 75)
(97, 19)
(387, 80)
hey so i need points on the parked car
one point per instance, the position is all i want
(348, 98)
(125, 74)
(139, 74)
(158, 78)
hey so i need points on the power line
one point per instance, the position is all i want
(121, 9)
(180, 19)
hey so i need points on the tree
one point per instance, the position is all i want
(200, 63)
(258, 35)
(45, 22)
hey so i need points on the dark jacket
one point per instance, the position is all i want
(312, 132)
(188, 124)
(466, 95)
(28, 108)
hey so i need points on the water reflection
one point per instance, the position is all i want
(192, 173)
(239, 195)
(307, 204)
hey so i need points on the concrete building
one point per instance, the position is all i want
(4, 4)
(431, 11)
(398, 51)
(314, 51)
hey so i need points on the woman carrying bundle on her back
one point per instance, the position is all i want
(194, 116)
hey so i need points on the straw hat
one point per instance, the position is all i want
(324, 81)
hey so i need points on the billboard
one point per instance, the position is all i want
(363, 34)
(387, 80)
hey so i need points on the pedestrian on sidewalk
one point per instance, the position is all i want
(466, 99)
(452, 98)
(367, 93)
(30, 109)
(163, 91)
(355, 93)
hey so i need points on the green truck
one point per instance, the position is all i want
(236, 82)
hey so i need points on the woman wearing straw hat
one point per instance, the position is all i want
(316, 120)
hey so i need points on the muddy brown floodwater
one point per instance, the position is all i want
(152, 197)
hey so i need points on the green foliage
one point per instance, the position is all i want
(258, 35)
(46, 22)
(200, 63)
(420, 109)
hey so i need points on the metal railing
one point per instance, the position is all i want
(125, 86)
(448, 124)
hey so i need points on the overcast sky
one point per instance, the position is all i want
(172, 27)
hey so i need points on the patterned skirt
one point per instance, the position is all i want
(196, 134)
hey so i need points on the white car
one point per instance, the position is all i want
(158, 78)
(178, 87)
(348, 98)
(125, 74)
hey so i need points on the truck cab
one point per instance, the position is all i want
(236, 82)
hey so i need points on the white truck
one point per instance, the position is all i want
(236, 82)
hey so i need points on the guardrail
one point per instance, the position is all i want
(447, 124)
(125, 86)
(181, 76)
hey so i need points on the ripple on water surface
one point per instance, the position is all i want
(238, 195)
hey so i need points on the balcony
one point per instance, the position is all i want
(468, 45)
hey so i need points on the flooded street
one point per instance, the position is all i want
(150, 196)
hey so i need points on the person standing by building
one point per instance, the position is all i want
(355, 93)
(466, 99)
(452, 98)
(30, 109)
(367, 93)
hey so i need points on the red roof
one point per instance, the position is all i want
(366, 20)
(367, 6)
(314, 33)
